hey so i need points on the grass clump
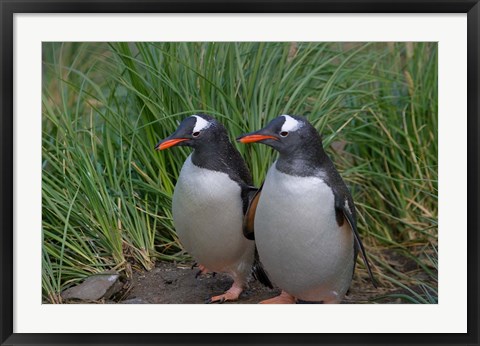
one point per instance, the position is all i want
(107, 195)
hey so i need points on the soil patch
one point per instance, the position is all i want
(170, 283)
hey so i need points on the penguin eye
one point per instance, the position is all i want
(196, 134)
(284, 133)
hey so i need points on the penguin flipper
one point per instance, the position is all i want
(258, 272)
(344, 209)
(253, 196)
(249, 218)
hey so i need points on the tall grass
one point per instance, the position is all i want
(107, 194)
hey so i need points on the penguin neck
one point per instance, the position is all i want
(303, 162)
(211, 153)
(221, 156)
(217, 155)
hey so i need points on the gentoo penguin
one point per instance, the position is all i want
(209, 201)
(304, 217)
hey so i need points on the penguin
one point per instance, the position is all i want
(210, 199)
(303, 217)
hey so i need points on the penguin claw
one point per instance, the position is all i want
(218, 301)
(200, 272)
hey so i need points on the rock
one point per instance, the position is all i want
(95, 287)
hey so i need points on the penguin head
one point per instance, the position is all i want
(286, 134)
(195, 131)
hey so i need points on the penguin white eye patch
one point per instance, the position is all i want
(290, 124)
(201, 124)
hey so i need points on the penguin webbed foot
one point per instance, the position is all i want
(211, 300)
(202, 270)
(230, 295)
(283, 298)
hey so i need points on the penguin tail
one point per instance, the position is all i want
(258, 272)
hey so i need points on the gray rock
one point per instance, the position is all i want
(95, 287)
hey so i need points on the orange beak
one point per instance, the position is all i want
(169, 143)
(255, 138)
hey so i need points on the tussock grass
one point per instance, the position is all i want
(107, 194)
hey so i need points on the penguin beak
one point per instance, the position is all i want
(182, 135)
(256, 136)
(169, 142)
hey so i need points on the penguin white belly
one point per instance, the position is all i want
(300, 244)
(208, 214)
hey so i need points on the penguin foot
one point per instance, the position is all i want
(283, 298)
(232, 294)
(202, 270)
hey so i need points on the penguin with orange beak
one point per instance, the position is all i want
(210, 199)
(303, 218)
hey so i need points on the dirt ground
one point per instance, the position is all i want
(170, 283)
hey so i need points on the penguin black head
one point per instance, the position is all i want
(195, 131)
(286, 133)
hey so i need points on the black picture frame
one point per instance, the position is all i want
(9, 7)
